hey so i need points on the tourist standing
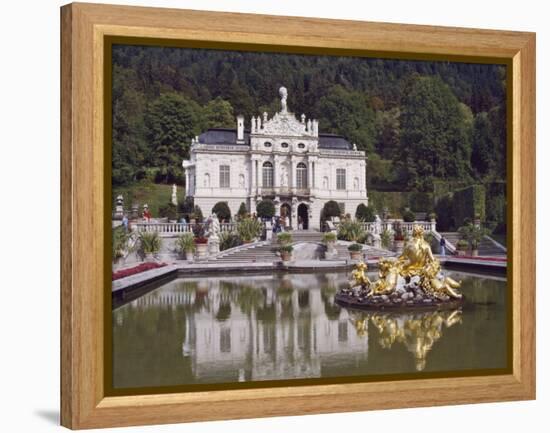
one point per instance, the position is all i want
(442, 242)
(125, 223)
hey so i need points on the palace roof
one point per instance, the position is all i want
(229, 136)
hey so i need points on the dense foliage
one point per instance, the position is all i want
(222, 211)
(265, 208)
(365, 213)
(419, 122)
(331, 209)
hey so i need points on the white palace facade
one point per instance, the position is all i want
(283, 159)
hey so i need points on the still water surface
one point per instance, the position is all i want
(242, 328)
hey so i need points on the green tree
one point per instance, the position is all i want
(365, 213)
(348, 113)
(483, 149)
(331, 209)
(265, 208)
(171, 122)
(435, 135)
(222, 211)
(242, 210)
(218, 114)
(129, 144)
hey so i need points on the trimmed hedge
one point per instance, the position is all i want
(365, 213)
(265, 208)
(468, 202)
(222, 211)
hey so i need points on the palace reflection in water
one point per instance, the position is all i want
(281, 326)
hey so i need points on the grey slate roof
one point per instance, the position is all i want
(229, 136)
(223, 136)
(333, 141)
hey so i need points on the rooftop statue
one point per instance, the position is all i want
(284, 94)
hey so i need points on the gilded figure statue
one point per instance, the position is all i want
(416, 273)
(388, 275)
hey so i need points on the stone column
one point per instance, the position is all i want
(292, 174)
(310, 174)
(276, 180)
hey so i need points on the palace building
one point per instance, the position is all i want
(283, 159)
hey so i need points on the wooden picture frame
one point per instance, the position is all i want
(84, 28)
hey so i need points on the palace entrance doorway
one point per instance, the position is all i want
(303, 216)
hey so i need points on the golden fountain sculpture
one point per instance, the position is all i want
(413, 279)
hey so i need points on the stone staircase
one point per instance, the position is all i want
(486, 248)
(371, 252)
(265, 252)
(260, 252)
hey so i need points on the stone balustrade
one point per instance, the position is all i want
(170, 229)
(380, 227)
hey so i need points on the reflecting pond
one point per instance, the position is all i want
(239, 328)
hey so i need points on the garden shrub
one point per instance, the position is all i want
(222, 211)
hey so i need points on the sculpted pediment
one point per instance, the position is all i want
(284, 124)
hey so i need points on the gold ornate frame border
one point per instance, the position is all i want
(87, 32)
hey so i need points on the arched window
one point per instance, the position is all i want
(301, 175)
(267, 175)
(284, 145)
(301, 146)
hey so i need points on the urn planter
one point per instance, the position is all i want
(356, 255)
(286, 256)
(202, 251)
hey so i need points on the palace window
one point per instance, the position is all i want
(284, 145)
(340, 178)
(224, 176)
(267, 175)
(267, 144)
(301, 146)
(301, 176)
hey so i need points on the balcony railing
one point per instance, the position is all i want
(284, 190)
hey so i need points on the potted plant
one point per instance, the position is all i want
(461, 247)
(474, 245)
(398, 238)
(185, 245)
(284, 238)
(150, 243)
(473, 234)
(351, 230)
(201, 241)
(356, 251)
(286, 252)
(386, 238)
(249, 229)
(329, 239)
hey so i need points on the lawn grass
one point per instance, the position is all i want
(154, 194)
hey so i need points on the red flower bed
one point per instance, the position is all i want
(137, 269)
